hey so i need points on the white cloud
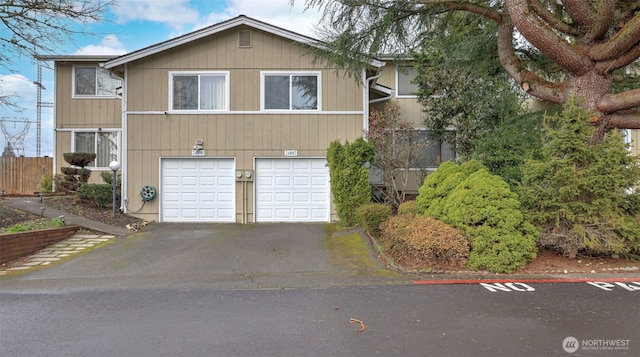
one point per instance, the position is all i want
(18, 86)
(275, 12)
(174, 13)
(110, 45)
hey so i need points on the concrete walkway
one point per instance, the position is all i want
(55, 252)
(33, 205)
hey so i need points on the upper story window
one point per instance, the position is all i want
(405, 75)
(103, 143)
(199, 91)
(93, 81)
(290, 91)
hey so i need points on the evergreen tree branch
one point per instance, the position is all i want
(621, 42)
(580, 12)
(620, 101)
(546, 40)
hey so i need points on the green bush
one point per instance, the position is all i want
(46, 183)
(472, 200)
(69, 171)
(408, 207)
(370, 216)
(349, 178)
(107, 177)
(426, 240)
(577, 194)
(42, 223)
(484, 207)
(79, 159)
(100, 194)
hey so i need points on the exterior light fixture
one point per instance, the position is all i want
(114, 166)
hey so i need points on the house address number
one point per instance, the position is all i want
(290, 153)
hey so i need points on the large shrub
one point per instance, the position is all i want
(578, 194)
(482, 205)
(425, 239)
(349, 178)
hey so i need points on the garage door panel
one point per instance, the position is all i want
(282, 197)
(301, 197)
(292, 190)
(282, 181)
(198, 190)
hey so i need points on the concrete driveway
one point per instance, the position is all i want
(221, 256)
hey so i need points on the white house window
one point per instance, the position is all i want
(290, 91)
(405, 76)
(199, 91)
(94, 82)
(103, 143)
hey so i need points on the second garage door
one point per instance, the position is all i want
(197, 190)
(292, 190)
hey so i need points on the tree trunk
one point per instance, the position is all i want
(590, 88)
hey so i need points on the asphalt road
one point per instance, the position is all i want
(291, 290)
(406, 320)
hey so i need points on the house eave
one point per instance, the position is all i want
(75, 58)
(217, 28)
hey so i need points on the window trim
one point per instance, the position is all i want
(118, 133)
(398, 71)
(93, 96)
(263, 74)
(227, 88)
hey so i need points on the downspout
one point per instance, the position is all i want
(382, 99)
(55, 125)
(368, 82)
(123, 141)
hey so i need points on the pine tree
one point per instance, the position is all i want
(578, 193)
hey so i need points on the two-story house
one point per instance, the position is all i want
(229, 123)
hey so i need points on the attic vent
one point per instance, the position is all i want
(244, 38)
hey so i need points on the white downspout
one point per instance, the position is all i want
(365, 105)
(123, 140)
(382, 99)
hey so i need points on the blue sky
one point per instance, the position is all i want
(131, 25)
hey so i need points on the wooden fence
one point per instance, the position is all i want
(22, 175)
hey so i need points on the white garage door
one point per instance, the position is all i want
(292, 190)
(197, 190)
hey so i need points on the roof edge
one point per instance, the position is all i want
(75, 58)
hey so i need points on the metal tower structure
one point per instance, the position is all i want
(15, 139)
(40, 105)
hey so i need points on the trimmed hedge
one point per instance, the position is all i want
(349, 178)
(100, 194)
